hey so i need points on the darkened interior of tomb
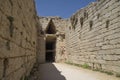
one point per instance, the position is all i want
(50, 51)
(50, 42)
(50, 28)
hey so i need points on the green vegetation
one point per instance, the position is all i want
(69, 63)
(96, 70)
(86, 66)
(109, 73)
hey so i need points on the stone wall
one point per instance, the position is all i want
(93, 36)
(17, 38)
(60, 48)
(60, 25)
(40, 45)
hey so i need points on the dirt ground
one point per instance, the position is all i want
(60, 71)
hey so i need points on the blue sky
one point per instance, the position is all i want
(62, 8)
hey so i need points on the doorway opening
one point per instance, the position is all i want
(50, 42)
(50, 51)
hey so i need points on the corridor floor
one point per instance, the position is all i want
(60, 71)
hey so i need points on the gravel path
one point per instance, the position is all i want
(59, 71)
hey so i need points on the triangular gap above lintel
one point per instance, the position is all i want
(51, 29)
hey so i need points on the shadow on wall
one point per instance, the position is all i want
(50, 71)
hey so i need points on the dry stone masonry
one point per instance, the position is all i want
(90, 37)
(55, 37)
(18, 34)
(93, 36)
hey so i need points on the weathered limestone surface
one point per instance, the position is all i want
(93, 36)
(60, 25)
(40, 46)
(18, 34)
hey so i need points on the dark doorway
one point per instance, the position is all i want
(50, 41)
(50, 28)
(50, 51)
